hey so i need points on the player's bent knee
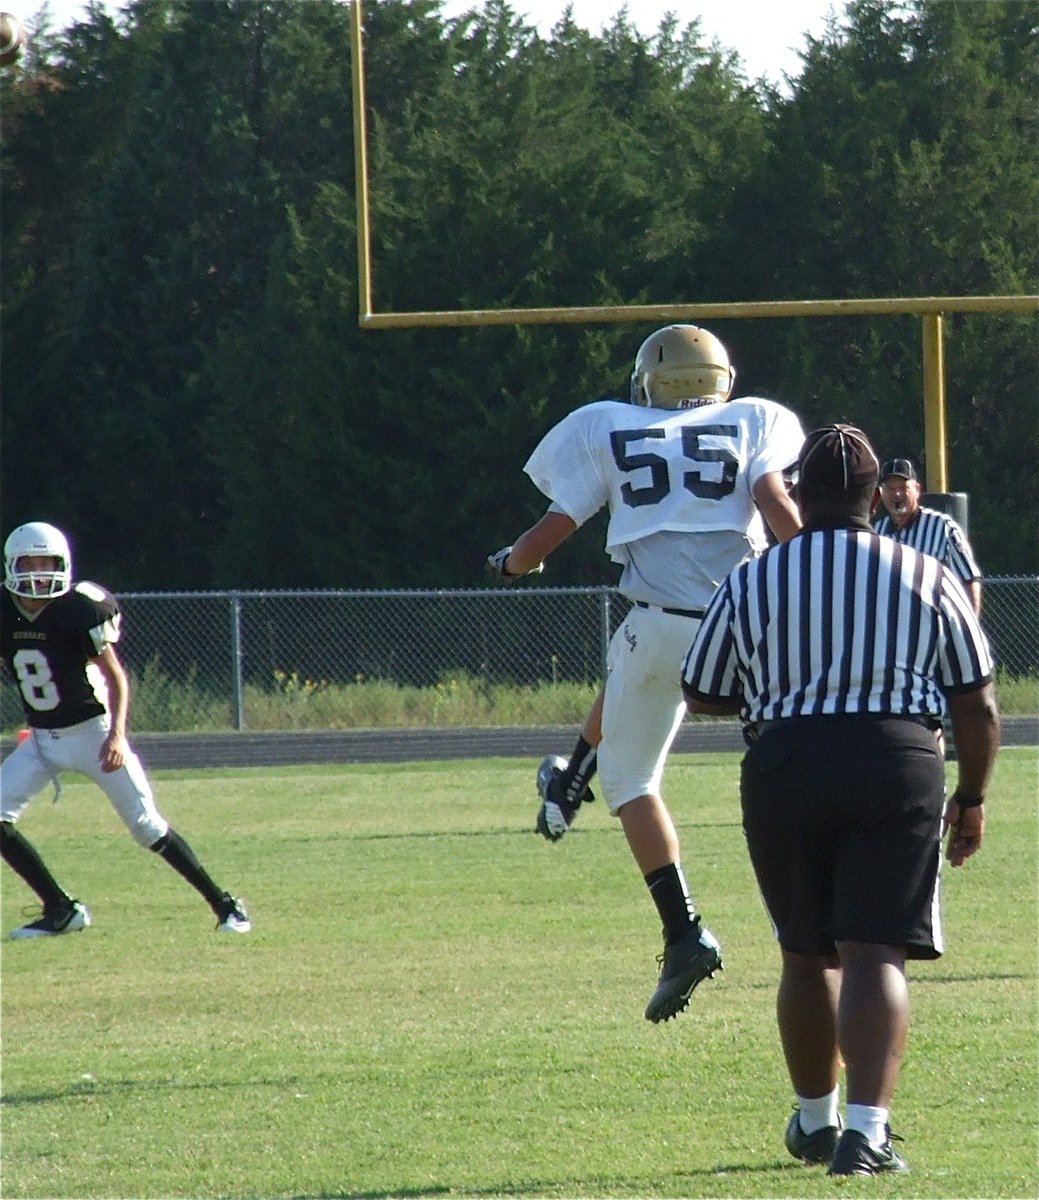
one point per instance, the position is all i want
(148, 830)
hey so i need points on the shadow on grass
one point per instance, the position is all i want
(525, 831)
(565, 1191)
(87, 1089)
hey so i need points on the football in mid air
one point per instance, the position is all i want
(12, 38)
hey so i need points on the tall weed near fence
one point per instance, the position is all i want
(163, 705)
(1017, 695)
(456, 700)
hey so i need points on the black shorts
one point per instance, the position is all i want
(842, 816)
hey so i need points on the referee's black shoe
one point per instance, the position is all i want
(683, 965)
(813, 1148)
(855, 1155)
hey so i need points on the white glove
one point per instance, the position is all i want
(498, 563)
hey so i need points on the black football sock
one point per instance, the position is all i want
(670, 894)
(25, 862)
(579, 770)
(181, 858)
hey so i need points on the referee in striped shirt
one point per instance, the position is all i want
(841, 650)
(925, 529)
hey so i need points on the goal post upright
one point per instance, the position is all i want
(935, 435)
(360, 125)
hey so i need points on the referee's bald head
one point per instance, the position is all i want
(837, 465)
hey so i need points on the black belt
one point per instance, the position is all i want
(675, 612)
(757, 728)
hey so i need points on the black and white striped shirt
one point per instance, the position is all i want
(838, 621)
(936, 533)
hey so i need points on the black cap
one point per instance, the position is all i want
(897, 466)
(837, 460)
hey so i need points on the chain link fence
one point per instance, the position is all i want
(244, 644)
(1010, 615)
(210, 660)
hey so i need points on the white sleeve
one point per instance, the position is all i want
(780, 441)
(566, 468)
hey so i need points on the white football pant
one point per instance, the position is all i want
(643, 705)
(36, 762)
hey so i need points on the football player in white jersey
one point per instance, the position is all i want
(686, 474)
(59, 640)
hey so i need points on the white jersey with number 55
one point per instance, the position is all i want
(665, 474)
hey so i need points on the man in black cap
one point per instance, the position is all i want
(925, 529)
(841, 650)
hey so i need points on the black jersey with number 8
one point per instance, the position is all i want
(50, 654)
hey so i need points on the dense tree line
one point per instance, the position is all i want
(185, 386)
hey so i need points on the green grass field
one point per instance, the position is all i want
(436, 1003)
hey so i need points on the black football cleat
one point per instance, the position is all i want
(683, 965)
(855, 1155)
(812, 1148)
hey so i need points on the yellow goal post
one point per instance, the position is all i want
(931, 309)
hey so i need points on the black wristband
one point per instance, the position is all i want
(963, 802)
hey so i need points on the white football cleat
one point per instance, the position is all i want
(68, 919)
(232, 917)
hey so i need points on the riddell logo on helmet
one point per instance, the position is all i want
(698, 401)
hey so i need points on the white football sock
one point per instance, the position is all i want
(819, 1112)
(871, 1122)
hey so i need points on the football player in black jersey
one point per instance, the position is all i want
(59, 640)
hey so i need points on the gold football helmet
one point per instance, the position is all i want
(681, 366)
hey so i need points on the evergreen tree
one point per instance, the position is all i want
(905, 164)
(179, 288)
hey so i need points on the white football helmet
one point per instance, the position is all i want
(681, 366)
(37, 539)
